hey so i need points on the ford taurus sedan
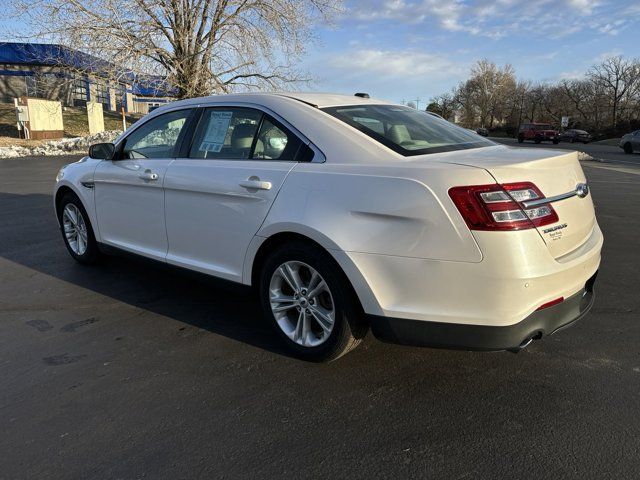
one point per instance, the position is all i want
(346, 214)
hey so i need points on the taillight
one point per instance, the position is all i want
(500, 207)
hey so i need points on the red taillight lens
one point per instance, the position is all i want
(500, 207)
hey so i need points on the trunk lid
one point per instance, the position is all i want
(555, 173)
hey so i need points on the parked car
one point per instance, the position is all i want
(538, 132)
(482, 131)
(573, 136)
(346, 213)
(631, 142)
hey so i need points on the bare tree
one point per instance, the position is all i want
(199, 46)
(483, 96)
(619, 79)
(444, 105)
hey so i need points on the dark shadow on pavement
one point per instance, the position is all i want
(27, 222)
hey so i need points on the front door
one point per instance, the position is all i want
(219, 195)
(129, 193)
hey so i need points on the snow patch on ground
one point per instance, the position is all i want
(59, 147)
(583, 156)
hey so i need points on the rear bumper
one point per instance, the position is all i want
(485, 337)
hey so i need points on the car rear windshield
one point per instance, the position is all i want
(406, 130)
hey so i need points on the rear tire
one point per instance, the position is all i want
(520, 139)
(628, 148)
(76, 230)
(318, 328)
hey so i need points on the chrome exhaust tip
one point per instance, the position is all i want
(522, 346)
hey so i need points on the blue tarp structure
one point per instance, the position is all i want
(46, 54)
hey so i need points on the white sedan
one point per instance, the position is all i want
(346, 213)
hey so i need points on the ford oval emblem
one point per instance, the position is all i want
(582, 190)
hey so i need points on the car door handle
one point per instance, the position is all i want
(255, 183)
(148, 176)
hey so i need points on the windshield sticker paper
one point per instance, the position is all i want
(216, 132)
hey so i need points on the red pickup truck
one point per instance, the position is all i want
(538, 132)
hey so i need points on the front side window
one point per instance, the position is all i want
(230, 133)
(406, 130)
(157, 138)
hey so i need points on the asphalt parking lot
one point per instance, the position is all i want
(605, 153)
(127, 370)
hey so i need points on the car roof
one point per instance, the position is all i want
(317, 100)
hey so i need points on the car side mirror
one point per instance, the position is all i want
(102, 151)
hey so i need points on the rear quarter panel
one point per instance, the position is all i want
(401, 210)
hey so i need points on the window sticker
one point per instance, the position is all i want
(216, 131)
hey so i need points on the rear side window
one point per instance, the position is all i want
(229, 133)
(275, 143)
(158, 137)
(406, 130)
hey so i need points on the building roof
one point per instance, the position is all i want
(48, 54)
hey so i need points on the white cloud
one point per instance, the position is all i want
(395, 64)
(498, 18)
(389, 74)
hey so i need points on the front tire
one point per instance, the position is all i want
(76, 230)
(310, 303)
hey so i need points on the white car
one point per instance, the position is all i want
(630, 142)
(346, 213)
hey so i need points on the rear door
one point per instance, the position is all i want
(129, 197)
(219, 192)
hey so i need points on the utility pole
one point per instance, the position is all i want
(418, 100)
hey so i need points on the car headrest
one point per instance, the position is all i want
(398, 134)
(242, 135)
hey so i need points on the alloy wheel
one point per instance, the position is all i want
(302, 303)
(75, 229)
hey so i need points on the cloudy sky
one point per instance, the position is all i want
(408, 49)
